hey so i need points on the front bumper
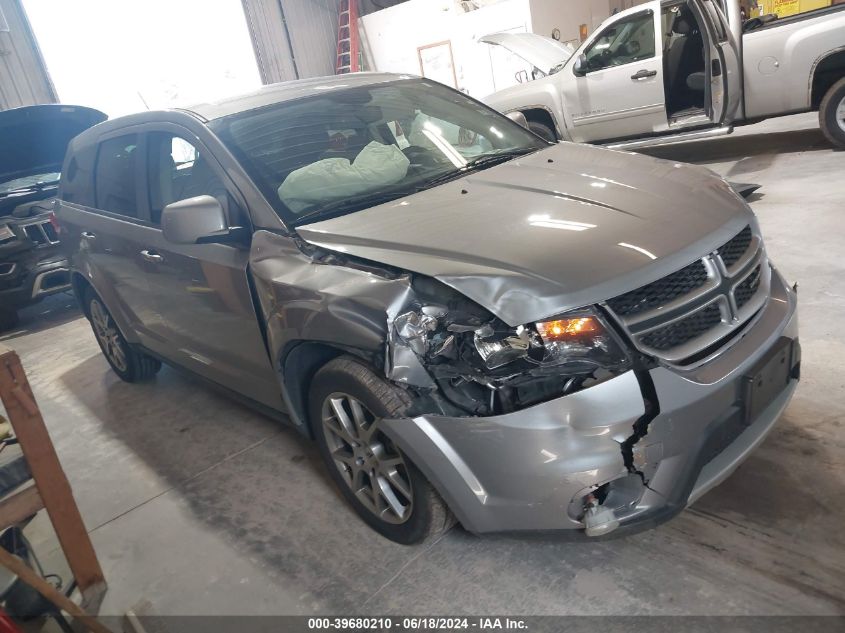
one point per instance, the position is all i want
(31, 277)
(531, 470)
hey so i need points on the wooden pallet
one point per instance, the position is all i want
(49, 489)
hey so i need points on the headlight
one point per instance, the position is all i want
(483, 366)
(579, 339)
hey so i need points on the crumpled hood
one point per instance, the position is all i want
(33, 139)
(560, 229)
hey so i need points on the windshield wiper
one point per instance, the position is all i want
(482, 162)
(489, 160)
(355, 204)
(382, 197)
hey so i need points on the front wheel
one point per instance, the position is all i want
(347, 402)
(832, 114)
(542, 130)
(128, 363)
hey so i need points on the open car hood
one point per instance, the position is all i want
(541, 52)
(563, 228)
(33, 139)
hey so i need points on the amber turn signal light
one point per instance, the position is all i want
(568, 329)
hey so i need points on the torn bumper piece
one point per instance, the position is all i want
(533, 469)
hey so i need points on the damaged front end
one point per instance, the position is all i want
(481, 366)
(463, 361)
(559, 425)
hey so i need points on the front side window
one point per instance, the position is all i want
(115, 175)
(352, 148)
(177, 170)
(623, 42)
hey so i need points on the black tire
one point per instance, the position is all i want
(832, 124)
(9, 319)
(542, 130)
(127, 362)
(427, 513)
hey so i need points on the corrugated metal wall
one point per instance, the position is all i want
(293, 38)
(23, 75)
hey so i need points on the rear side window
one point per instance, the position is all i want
(115, 175)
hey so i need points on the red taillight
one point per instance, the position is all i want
(55, 222)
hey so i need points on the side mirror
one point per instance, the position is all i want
(518, 117)
(194, 220)
(580, 67)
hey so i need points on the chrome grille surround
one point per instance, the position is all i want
(40, 232)
(686, 325)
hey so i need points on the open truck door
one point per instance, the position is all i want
(724, 71)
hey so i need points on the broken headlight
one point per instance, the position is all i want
(484, 366)
(580, 340)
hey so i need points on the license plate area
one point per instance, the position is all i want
(769, 377)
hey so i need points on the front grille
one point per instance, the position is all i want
(690, 314)
(41, 233)
(748, 288)
(733, 251)
(685, 330)
(662, 291)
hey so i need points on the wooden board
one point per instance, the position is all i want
(50, 480)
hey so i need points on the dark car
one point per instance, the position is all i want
(33, 141)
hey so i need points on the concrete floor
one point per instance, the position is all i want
(201, 506)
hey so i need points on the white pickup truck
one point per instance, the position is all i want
(673, 70)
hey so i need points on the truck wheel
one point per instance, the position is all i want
(832, 114)
(347, 401)
(542, 130)
(128, 363)
(8, 319)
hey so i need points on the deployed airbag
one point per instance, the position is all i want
(330, 179)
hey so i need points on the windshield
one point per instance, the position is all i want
(353, 148)
(33, 182)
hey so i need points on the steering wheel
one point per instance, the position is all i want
(421, 157)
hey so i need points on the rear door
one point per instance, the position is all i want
(104, 221)
(622, 94)
(202, 290)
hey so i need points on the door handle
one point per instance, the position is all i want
(88, 235)
(643, 74)
(152, 257)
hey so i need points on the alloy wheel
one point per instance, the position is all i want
(840, 114)
(108, 335)
(367, 460)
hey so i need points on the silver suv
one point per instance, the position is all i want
(469, 321)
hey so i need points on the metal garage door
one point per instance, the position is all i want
(23, 75)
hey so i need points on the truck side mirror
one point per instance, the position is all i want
(580, 67)
(194, 220)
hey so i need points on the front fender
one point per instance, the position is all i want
(324, 302)
(538, 94)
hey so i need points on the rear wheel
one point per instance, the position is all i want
(832, 114)
(347, 402)
(127, 362)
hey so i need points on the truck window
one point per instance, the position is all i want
(115, 174)
(623, 42)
